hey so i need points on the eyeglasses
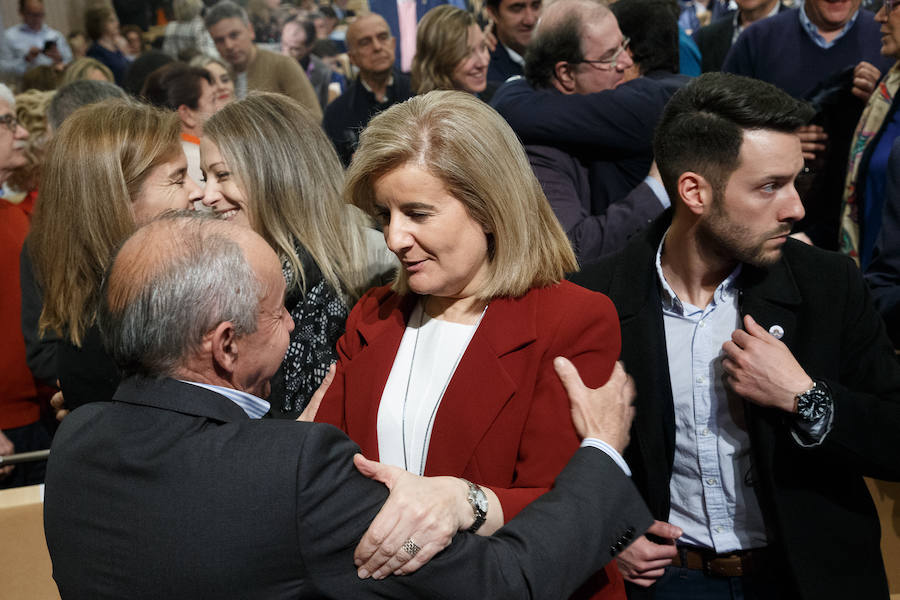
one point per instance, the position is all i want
(889, 5)
(10, 121)
(610, 64)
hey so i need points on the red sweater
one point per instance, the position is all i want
(18, 396)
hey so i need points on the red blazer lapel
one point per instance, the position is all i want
(368, 372)
(481, 385)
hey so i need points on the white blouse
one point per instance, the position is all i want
(425, 362)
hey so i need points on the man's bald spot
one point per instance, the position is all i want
(561, 11)
(354, 27)
(154, 248)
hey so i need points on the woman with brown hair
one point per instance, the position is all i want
(111, 167)
(102, 26)
(451, 53)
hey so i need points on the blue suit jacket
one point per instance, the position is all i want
(502, 67)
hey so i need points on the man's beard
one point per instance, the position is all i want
(735, 241)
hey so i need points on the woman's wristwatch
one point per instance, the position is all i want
(478, 501)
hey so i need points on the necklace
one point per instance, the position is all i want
(412, 362)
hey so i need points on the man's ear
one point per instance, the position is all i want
(493, 15)
(187, 116)
(695, 192)
(223, 342)
(564, 77)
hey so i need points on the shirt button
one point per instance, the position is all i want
(702, 323)
(705, 431)
(701, 379)
(711, 481)
(719, 528)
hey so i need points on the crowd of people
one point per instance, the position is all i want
(604, 293)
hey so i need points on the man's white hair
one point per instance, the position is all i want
(7, 96)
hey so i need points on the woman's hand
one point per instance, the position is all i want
(421, 512)
(309, 413)
(59, 404)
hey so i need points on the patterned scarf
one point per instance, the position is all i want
(871, 121)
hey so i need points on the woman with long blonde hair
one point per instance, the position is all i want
(269, 165)
(110, 168)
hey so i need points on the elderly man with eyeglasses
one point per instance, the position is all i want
(20, 426)
(599, 94)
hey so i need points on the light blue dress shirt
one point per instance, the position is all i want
(19, 39)
(712, 486)
(250, 404)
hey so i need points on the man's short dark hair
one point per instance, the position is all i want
(73, 96)
(702, 127)
(226, 9)
(174, 85)
(652, 26)
(560, 42)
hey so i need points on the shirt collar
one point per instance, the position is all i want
(514, 56)
(813, 32)
(26, 29)
(386, 89)
(725, 291)
(253, 406)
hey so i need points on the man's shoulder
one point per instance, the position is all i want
(266, 59)
(716, 29)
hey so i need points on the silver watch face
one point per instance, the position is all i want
(481, 500)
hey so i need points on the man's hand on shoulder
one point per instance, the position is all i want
(762, 369)
(604, 413)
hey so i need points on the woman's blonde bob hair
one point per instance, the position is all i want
(292, 178)
(81, 69)
(468, 146)
(93, 171)
(442, 42)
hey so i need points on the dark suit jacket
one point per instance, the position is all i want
(611, 131)
(814, 500)
(714, 42)
(579, 200)
(502, 67)
(171, 491)
(883, 273)
(503, 421)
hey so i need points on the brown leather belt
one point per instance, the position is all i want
(733, 564)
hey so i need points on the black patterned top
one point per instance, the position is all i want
(319, 318)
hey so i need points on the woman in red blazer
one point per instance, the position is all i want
(449, 371)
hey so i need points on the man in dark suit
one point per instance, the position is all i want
(378, 85)
(766, 384)
(579, 66)
(173, 490)
(715, 40)
(514, 22)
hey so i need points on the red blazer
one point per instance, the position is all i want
(504, 421)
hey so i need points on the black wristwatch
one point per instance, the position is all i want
(479, 503)
(814, 403)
